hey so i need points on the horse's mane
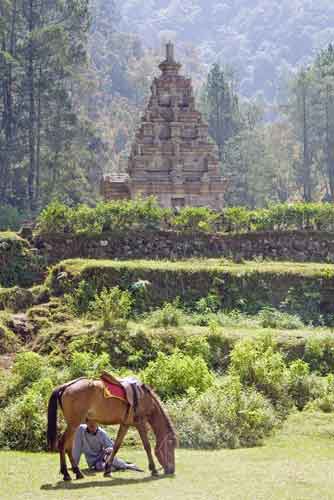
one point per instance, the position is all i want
(166, 417)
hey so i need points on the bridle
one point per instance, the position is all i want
(163, 448)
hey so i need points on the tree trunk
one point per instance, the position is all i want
(31, 93)
(306, 155)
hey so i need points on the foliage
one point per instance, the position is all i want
(28, 367)
(111, 307)
(177, 374)
(272, 318)
(147, 215)
(170, 314)
(225, 416)
(23, 421)
(109, 216)
(18, 264)
(10, 218)
(16, 298)
(257, 363)
(43, 138)
(80, 299)
(9, 342)
(303, 386)
(194, 219)
(319, 354)
(85, 364)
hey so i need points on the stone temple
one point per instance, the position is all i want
(172, 157)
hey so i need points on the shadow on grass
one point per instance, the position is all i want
(77, 485)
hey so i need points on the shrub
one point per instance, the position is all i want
(319, 354)
(195, 219)
(10, 218)
(209, 304)
(226, 415)
(111, 306)
(168, 315)
(86, 364)
(324, 399)
(80, 299)
(257, 363)
(23, 421)
(28, 367)
(55, 218)
(303, 387)
(16, 298)
(8, 340)
(272, 318)
(195, 345)
(175, 375)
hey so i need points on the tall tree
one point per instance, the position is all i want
(221, 106)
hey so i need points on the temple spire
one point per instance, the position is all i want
(170, 52)
(169, 66)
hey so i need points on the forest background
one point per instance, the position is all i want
(75, 76)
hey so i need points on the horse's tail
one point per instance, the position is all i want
(51, 432)
(52, 417)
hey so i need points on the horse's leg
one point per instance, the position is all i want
(69, 448)
(63, 466)
(123, 429)
(140, 425)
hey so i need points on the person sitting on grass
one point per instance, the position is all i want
(97, 446)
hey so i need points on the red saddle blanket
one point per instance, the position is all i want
(113, 390)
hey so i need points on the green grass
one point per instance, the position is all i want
(296, 464)
(77, 266)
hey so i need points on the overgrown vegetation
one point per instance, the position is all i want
(147, 215)
(296, 289)
(18, 264)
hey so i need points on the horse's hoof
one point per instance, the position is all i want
(107, 473)
(154, 473)
(67, 478)
(80, 475)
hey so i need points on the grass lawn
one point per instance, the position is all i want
(296, 464)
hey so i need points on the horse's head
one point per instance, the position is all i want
(166, 440)
(165, 452)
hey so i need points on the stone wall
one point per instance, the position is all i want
(290, 246)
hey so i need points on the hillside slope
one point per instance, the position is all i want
(263, 39)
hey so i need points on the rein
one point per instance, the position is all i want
(163, 446)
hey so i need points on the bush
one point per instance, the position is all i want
(168, 315)
(85, 364)
(55, 218)
(111, 216)
(80, 299)
(23, 421)
(111, 306)
(9, 342)
(28, 367)
(319, 354)
(177, 374)
(10, 218)
(16, 298)
(226, 415)
(195, 219)
(324, 399)
(271, 318)
(257, 363)
(303, 386)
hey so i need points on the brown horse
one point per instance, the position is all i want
(83, 399)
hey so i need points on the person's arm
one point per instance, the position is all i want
(106, 441)
(77, 446)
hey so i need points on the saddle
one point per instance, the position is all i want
(128, 389)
